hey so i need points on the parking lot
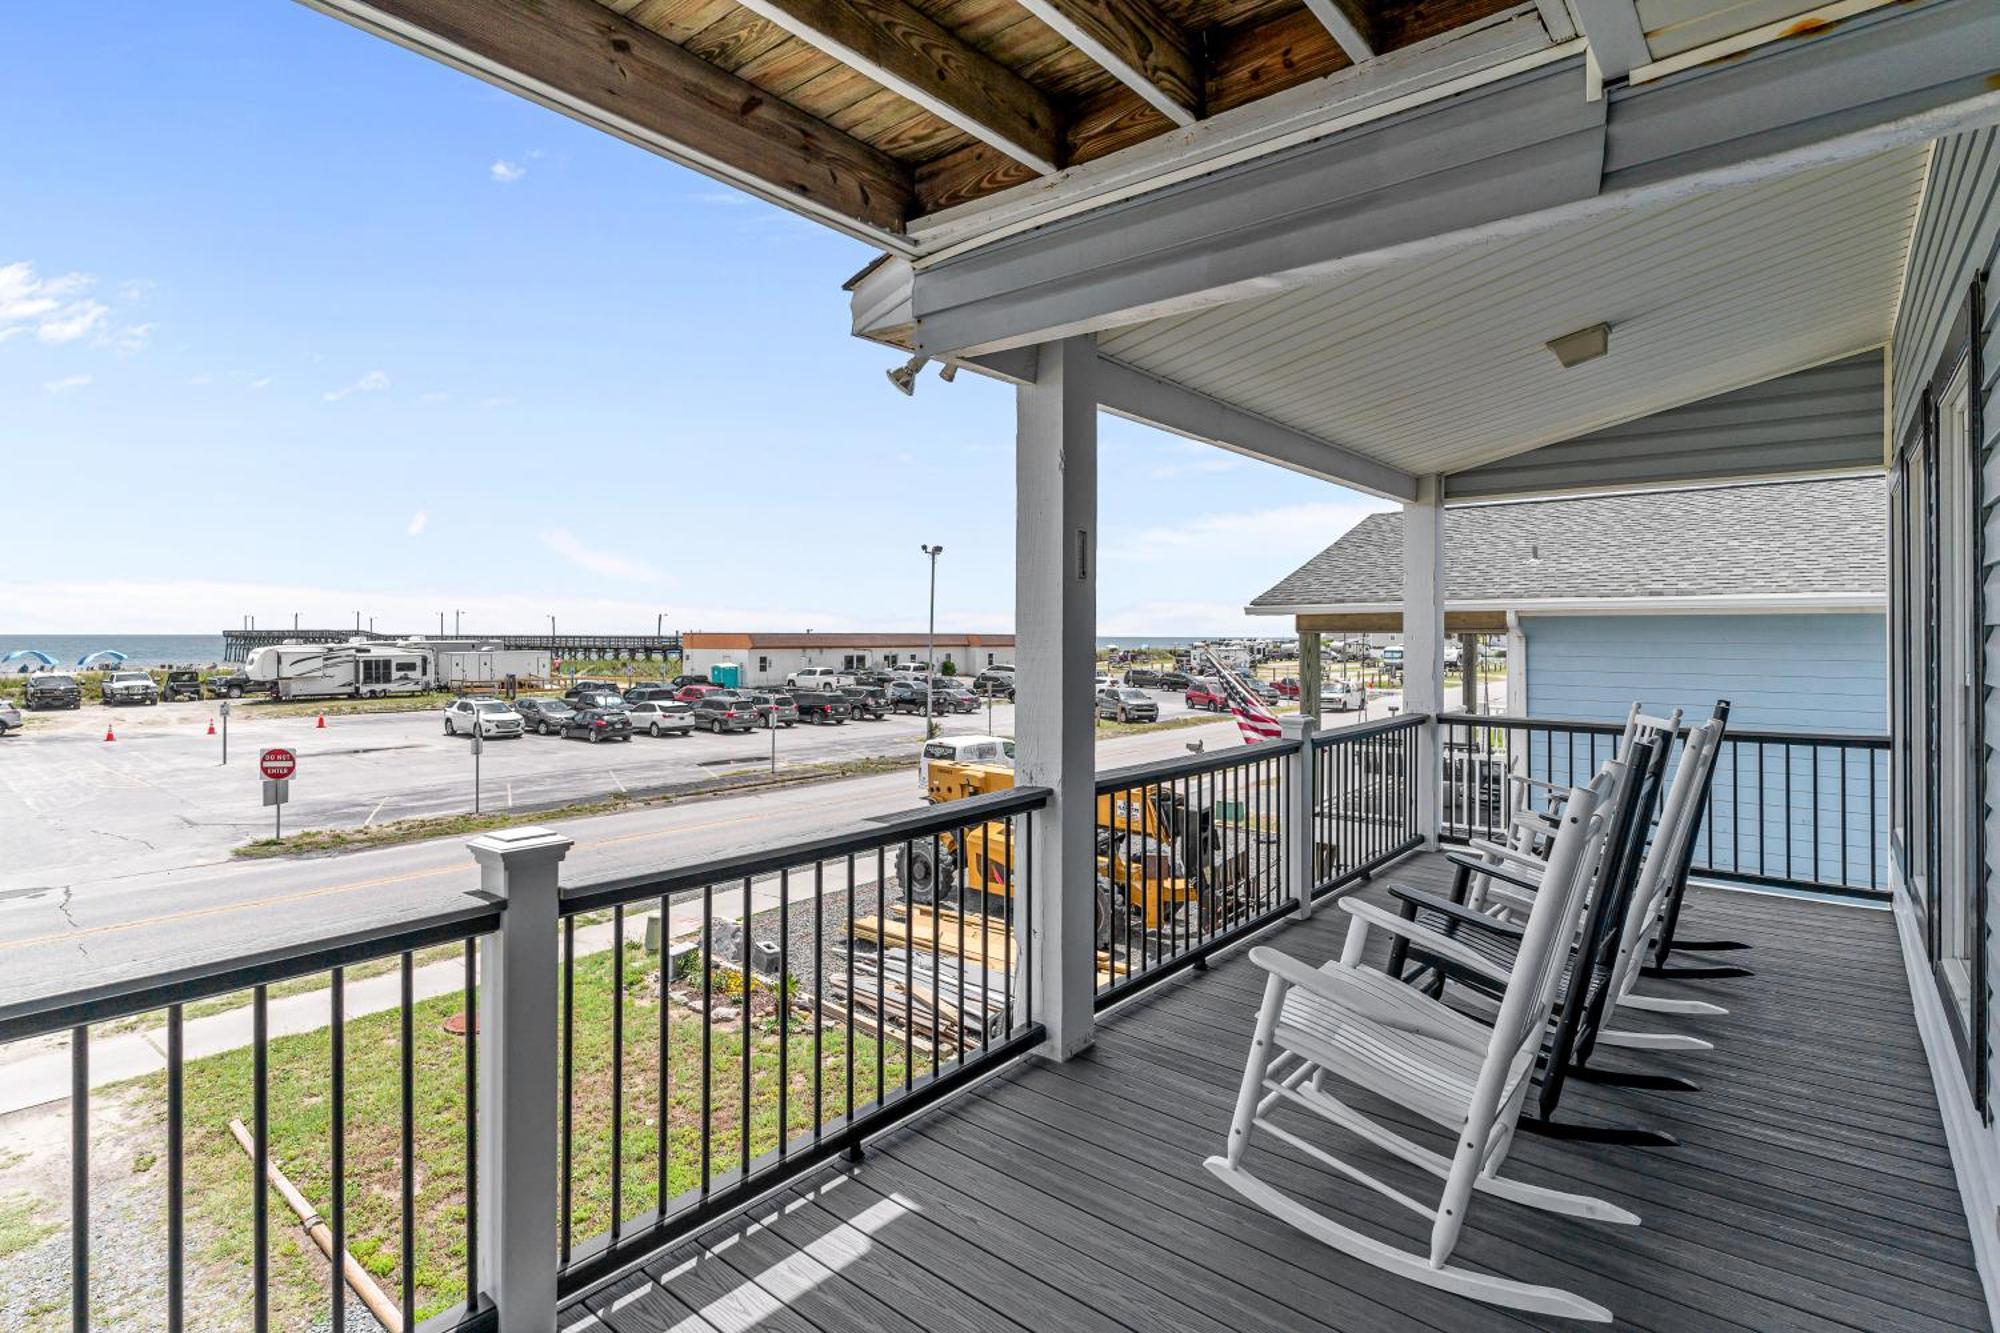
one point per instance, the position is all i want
(158, 797)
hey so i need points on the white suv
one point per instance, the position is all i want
(818, 678)
(481, 717)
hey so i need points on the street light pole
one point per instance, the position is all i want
(930, 648)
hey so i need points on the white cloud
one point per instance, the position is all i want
(71, 322)
(504, 172)
(373, 382)
(1171, 619)
(130, 340)
(610, 564)
(262, 382)
(201, 379)
(418, 522)
(67, 384)
(497, 400)
(434, 396)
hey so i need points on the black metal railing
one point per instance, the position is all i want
(235, 1107)
(727, 1026)
(1786, 809)
(1190, 857)
(1364, 800)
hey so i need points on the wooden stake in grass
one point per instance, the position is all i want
(379, 1305)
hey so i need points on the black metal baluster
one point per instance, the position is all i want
(409, 1141)
(853, 995)
(260, 1134)
(617, 1070)
(1874, 849)
(1840, 757)
(707, 1035)
(1007, 915)
(664, 1074)
(1763, 865)
(1028, 974)
(937, 947)
(79, 1182)
(819, 992)
(176, 1171)
(471, 1129)
(910, 967)
(1788, 810)
(337, 1148)
(784, 1008)
(882, 970)
(964, 860)
(568, 1083)
(1812, 757)
(743, 1107)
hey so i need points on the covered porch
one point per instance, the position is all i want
(1811, 1189)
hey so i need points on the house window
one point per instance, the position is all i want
(889, 659)
(854, 661)
(1937, 683)
(763, 665)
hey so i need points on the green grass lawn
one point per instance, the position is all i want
(219, 1173)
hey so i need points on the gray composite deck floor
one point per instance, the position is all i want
(1811, 1187)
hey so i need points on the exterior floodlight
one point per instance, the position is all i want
(948, 372)
(904, 377)
(1573, 349)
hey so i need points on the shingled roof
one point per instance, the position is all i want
(1777, 539)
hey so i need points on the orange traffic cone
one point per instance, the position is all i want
(211, 726)
(107, 733)
(321, 724)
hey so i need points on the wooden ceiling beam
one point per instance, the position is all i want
(586, 61)
(1350, 24)
(1137, 44)
(917, 58)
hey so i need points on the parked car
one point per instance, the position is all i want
(661, 717)
(235, 684)
(129, 687)
(1265, 691)
(10, 717)
(1145, 678)
(872, 678)
(685, 679)
(599, 724)
(544, 717)
(774, 710)
(867, 701)
(721, 711)
(1289, 688)
(181, 685)
(486, 718)
(994, 684)
(906, 696)
(1206, 692)
(53, 689)
(1122, 703)
(598, 699)
(819, 678)
(955, 696)
(638, 694)
(1175, 680)
(821, 707)
(578, 688)
(1392, 658)
(1343, 696)
(695, 691)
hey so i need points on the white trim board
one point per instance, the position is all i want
(1725, 604)
(1975, 1156)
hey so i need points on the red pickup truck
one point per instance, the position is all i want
(1206, 693)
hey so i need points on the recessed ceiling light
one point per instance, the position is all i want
(1573, 349)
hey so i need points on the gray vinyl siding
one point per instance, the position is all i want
(1958, 237)
(1825, 419)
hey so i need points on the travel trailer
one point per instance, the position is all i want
(357, 669)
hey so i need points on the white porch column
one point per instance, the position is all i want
(1423, 639)
(1302, 810)
(1055, 661)
(518, 1087)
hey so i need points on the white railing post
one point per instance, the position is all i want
(518, 1084)
(1423, 644)
(1055, 664)
(1301, 861)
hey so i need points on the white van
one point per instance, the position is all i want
(963, 750)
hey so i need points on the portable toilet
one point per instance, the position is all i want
(726, 674)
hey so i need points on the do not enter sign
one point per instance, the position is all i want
(277, 763)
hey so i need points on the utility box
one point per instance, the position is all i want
(728, 675)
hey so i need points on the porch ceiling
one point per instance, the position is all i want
(1440, 364)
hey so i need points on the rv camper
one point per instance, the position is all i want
(355, 670)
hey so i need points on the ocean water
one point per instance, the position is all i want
(148, 650)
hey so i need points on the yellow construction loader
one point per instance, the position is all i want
(1156, 853)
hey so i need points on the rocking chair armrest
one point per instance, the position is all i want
(1494, 873)
(1426, 939)
(1500, 852)
(1457, 914)
(1553, 788)
(1335, 989)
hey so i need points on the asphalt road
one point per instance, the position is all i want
(122, 865)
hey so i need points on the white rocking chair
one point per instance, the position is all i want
(1358, 1025)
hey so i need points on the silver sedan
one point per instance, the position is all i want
(10, 717)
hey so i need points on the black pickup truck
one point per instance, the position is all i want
(182, 684)
(53, 689)
(235, 684)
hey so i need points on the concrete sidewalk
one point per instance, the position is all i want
(41, 1075)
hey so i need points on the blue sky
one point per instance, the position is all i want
(292, 320)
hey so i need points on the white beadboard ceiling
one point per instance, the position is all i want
(1439, 366)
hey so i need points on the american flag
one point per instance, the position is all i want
(1252, 718)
